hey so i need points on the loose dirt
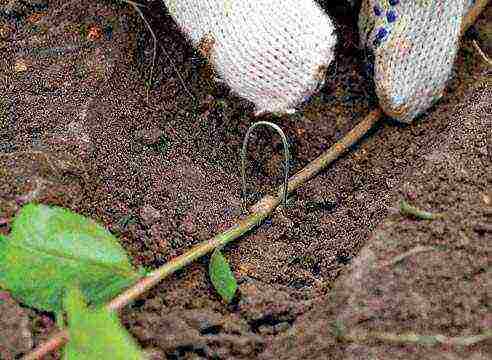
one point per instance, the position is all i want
(159, 167)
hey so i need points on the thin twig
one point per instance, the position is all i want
(175, 68)
(154, 50)
(155, 43)
(401, 257)
(134, 4)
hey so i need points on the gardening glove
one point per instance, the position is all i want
(271, 52)
(413, 44)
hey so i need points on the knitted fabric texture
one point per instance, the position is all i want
(271, 52)
(414, 44)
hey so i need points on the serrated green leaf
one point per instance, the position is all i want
(51, 249)
(221, 276)
(96, 334)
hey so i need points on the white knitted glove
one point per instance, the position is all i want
(271, 52)
(414, 43)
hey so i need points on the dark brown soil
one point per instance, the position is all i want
(161, 170)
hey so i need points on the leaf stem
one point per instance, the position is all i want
(407, 209)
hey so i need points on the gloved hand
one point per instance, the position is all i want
(414, 45)
(274, 53)
(271, 52)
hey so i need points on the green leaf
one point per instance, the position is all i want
(221, 276)
(96, 334)
(51, 249)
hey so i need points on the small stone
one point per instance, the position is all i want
(281, 327)
(149, 136)
(95, 33)
(159, 234)
(265, 330)
(153, 354)
(149, 214)
(203, 320)
(412, 196)
(20, 66)
(34, 18)
(188, 224)
(481, 228)
(5, 31)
